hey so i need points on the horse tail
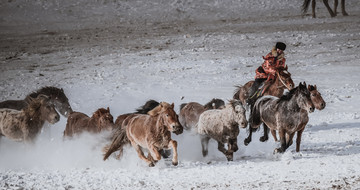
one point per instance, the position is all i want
(305, 6)
(120, 139)
(237, 93)
(182, 106)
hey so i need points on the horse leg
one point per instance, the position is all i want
(154, 152)
(173, 144)
(313, 5)
(326, 3)
(227, 153)
(273, 132)
(282, 135)
(343, 8)
(141, 154)
(298, 140)
(204, 145)
(289, 140)
(266, 133)
(335, 7)
(232, 145)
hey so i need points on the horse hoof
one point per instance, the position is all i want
(246, 142)
(278, 150)
(151, 164)
(175, 163)
(263, 139)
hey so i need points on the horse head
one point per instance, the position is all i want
(43, 106)
(168, 116)
(303, 98)
(104, 119)
(239, 113)
(61, 102)
(316, 97)
(285, 77)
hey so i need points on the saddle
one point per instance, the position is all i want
(262, 88)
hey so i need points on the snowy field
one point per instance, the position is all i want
(119, 54)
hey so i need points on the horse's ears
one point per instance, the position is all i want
(286, 67)
(108, 109)
(172, 105)
(315, 87)
(62, 90)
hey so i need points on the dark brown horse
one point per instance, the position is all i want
(26, 124)
(190, 112)
(275, 88)
(306, 4)
(78, 122)
(56, 95)
(287, 114)
(316, 99)
(151, 131)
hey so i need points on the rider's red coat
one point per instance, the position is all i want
(272, 61)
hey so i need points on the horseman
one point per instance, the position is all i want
(266, 72)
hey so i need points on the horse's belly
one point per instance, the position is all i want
(10, 125)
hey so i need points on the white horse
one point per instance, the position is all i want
(222, 126)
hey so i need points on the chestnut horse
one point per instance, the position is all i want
(79, 122)
(151, 131)
(190, 112)
(316, 99)
(223, 126)
(306, 4)
(26, 124)
(287, 114)
(57, 96)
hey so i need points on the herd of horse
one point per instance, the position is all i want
(151, 126)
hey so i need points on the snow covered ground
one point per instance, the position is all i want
(119, 54)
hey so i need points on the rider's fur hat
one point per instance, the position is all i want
(280, 45)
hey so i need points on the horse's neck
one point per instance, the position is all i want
(160, 124)
(276, 88)
(94, 123)
(34, 122)
(292, 104)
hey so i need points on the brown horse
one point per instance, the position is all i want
(151, 131)
(26, 124)
(79, 122)
(275, 88)
(316, 99)
(223, 126)
(57, 96)
(190, 112)
(287, 114)
(306, 4)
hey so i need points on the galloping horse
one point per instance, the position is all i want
(316, 99)
(151, 131)
(287, 114)
(26, 124)
(149, 105)
(79, 122)
(306, 4)
(190, 112)
(57, 96)
(276, 88)
(223, 126)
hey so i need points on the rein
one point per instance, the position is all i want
(282, 81)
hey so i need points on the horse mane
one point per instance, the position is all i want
(101, 111)
(182, 106)
(234, 103)
(237, 91)
(287, 96)
(47, 90)
(158, 109)
(149, 105)
(34, 104)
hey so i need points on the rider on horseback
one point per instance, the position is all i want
(266, 72)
